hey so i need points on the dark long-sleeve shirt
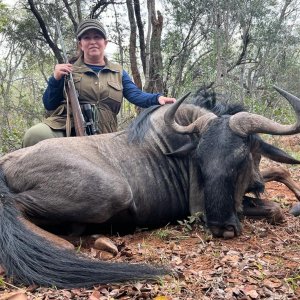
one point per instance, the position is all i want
(53, 95)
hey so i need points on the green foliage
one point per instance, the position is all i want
(295, 154)
(188, 223)
(12, 139)
(2, 282)
(293, 282)
(4, 19)
(273, 106)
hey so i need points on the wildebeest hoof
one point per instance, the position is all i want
(105, 244)
(295, 210)
(275, 215)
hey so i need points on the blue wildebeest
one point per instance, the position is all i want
(175, 160)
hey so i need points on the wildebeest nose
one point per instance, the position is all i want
(226, 232)
(229, 232)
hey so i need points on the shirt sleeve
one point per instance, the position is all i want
(53, 94)
(136, 96)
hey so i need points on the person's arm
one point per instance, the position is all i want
(53, 94)
(142, 99)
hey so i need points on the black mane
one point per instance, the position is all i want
(138, 127)
(216, 103)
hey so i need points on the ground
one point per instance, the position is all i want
(262, 263)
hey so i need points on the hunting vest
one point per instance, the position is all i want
(104, 91)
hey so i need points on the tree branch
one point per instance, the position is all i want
(101, 6)
(140, 26)
(246, 41)
(70, 14)
(42, 24)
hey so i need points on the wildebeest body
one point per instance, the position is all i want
(95, 181)
(163, 168)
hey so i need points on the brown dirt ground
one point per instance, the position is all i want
(263, 263)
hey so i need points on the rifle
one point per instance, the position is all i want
(78, 118)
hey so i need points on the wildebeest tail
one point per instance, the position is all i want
(30, 259)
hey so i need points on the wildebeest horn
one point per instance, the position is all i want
(244, 123)
(196, 126)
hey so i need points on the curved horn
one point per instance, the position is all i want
(244, 123)
(196, 126)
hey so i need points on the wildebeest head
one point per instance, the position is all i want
(227, 155)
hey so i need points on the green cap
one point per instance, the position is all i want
(88, 25)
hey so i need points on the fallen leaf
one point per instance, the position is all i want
(250, 290)
(177, 260)
(252, 294)
(14, 296)
(272, 283)
(138, 286)
(95, 295)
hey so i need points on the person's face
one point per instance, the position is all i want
(92, 43)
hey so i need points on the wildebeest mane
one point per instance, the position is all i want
(139, 126)
(216, 103)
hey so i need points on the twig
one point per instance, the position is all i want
(282, 256)
(200, 239)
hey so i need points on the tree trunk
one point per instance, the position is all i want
(119, 38)
(218, 45)
(137, 10)
(132, 45)
(155, 80)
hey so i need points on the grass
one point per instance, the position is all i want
(261, 271)
(171, 285)
(295, 154)
(293, 282)
(78, 249)
(164, 233)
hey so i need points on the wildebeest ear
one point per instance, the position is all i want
(276, 154)
(183, 151)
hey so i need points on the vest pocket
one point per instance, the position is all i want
(115, 91)
(115, 96)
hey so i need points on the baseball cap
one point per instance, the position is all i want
(88, 25)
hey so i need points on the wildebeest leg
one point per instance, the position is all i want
(95, 201)
(262, 209)
(60, 242)
(280, 174)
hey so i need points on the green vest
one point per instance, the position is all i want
(103, 90)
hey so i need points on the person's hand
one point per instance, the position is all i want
(61, 70)
(165, 100)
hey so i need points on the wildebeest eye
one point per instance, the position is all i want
(240, 153)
